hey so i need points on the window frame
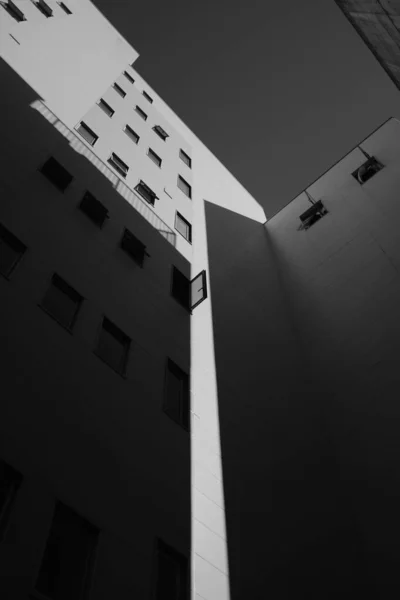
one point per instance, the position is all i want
(126, 344)
(103, 104)
(120, 91)
(184, 569)
(13, 10)
(185, 158)
(44, 8)
(128, 130)
(59, 187)
(115, 165)
(83, 125)
(179, 216)
(157, 160)
(370, 162)
(128, 236)
(13, 241)
(141, 113)
(162, 134)
(312, 215)
(184, 402)
(129, 77)
(79, 301)
(142, 184)
(186, 183)
(147, 96)
(65, 8)
(89, 197)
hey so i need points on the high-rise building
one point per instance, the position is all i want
(194, 402)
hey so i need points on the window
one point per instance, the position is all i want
(10, 480)
(65, 8)
(13, 11)
(68, 559)
(141, 112)
(154, 157)
(146, 192)
(44, 8)
(87, 133)
(113, 346)
(184, 186)
(118, 164)
(172, 573)
(133, 247)
(149, 98)
(183, 226)
(367, 170)
(93, 209)
(186, 159)
(106, 108)
(119, 90)
(131, 134)
(188, 293)
(56, 173)
(62, 302)
(312, 215)
(129, 78)
(11, 251)
(160, 132)
(176, 394)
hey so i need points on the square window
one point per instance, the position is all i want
(141, 112)
(146, 192)
(56, 173)
(44, 8)
(87, 133)
(180, 288)
(13, 11)
(68, 559)
(184, 186)
(65, 8)
(183, 226)
(154, 157)
(312, 215)
(160, 132)
(106, 108)
(118, 164)
(172, 573)
(367, 170)
(11, 251)
(129, 78)
(94, 209)
(62, 302)
(119, 90)
(131, 134)
(133, 247)
(113, 346)
(176, 394)
(186, 158)
(149, 98)
(10, 480)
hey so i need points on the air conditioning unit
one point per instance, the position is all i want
(312, 215)
(367, 170)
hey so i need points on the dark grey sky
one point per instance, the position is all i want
(278, 90)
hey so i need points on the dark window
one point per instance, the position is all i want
(118, 164)
(129, 78)
(154, 157)
(65, 8)
(10, 480)
(94, 209)
(186, 292)
(56, 174)
(106, 108)
(367, 170)
(176, 396)
(133, 247)
(119, 90)
(11, 251)
(184, 186)
(146, 192)
(13, 11)
(312, 215)
(44, 8)
(113, 346)
(87, 133)
(183, 226)
(62, 302)
(186, 159)
(68, 559)
(160, 132)
(172, 573)
(149, 98)
(131, 134)
(141, 112)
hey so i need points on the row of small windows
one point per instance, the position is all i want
(131, 80)
(68, 561)
(41, 5)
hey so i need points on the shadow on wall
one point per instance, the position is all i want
(292, 523)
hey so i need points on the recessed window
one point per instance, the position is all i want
(133, 247)
(10, 480)
(93, 209)
(154, 157)
(113, 346)
(141, 112)
(11, 251)
(131, 134)
(106, 108)
(56, 173)
(184, 186)
(186, 158)
(183, 226)
(65, 8)
(146, 192)
(180, 288)
(62, 302)
(87, 133)
(160, 132)
(172, 581)
(129, 78)
(119, 90)
(118, 164)
(367, 170)
(312, 215)
(44, 8)
(68, 560)
(149, 98)
(176, 394)
(13, 11)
